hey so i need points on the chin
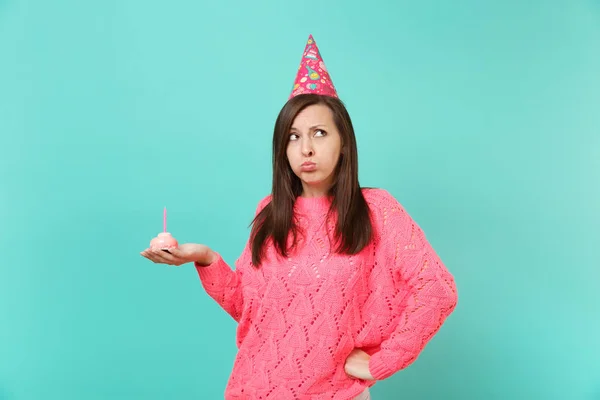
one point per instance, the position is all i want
(314, 182)
(310, 180)
(316, 179)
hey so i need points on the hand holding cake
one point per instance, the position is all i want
(165, 249)
(183, 254)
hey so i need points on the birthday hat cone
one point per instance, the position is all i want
(312, 76)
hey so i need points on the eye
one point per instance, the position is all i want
(293, 136)
(321, 131)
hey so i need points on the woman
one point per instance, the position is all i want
(337, 286)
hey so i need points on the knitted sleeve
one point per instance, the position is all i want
(225, 285)
(419, 292)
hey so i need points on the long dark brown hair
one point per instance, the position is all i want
(353, 228)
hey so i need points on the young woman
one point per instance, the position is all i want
(337, 286)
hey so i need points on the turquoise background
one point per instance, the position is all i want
(482, 118)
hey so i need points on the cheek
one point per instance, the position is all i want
(334, 156)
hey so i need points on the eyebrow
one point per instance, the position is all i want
(311, 128)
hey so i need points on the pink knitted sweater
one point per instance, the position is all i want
(300, 317)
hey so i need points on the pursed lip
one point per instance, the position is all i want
(308, 166)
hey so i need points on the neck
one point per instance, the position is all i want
(315, 190)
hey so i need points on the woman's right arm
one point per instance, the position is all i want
(222, 283)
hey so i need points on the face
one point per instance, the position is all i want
(314, 148)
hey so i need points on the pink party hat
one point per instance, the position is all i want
(312, 76)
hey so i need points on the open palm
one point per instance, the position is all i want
(183, 254)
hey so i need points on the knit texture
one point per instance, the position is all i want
(300, 317)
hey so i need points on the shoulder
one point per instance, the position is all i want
(386, 211)
(263, 203)
(380, 199)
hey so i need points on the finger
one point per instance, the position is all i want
(153, 256)
(178, 256)
(145, 253)
(150, 256)
(165, 257)
(159, 255)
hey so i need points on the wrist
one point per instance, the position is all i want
(210, 258)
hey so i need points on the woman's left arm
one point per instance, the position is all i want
(421, 292)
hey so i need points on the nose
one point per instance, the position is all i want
(307, 148)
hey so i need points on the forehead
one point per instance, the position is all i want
(313, 115)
